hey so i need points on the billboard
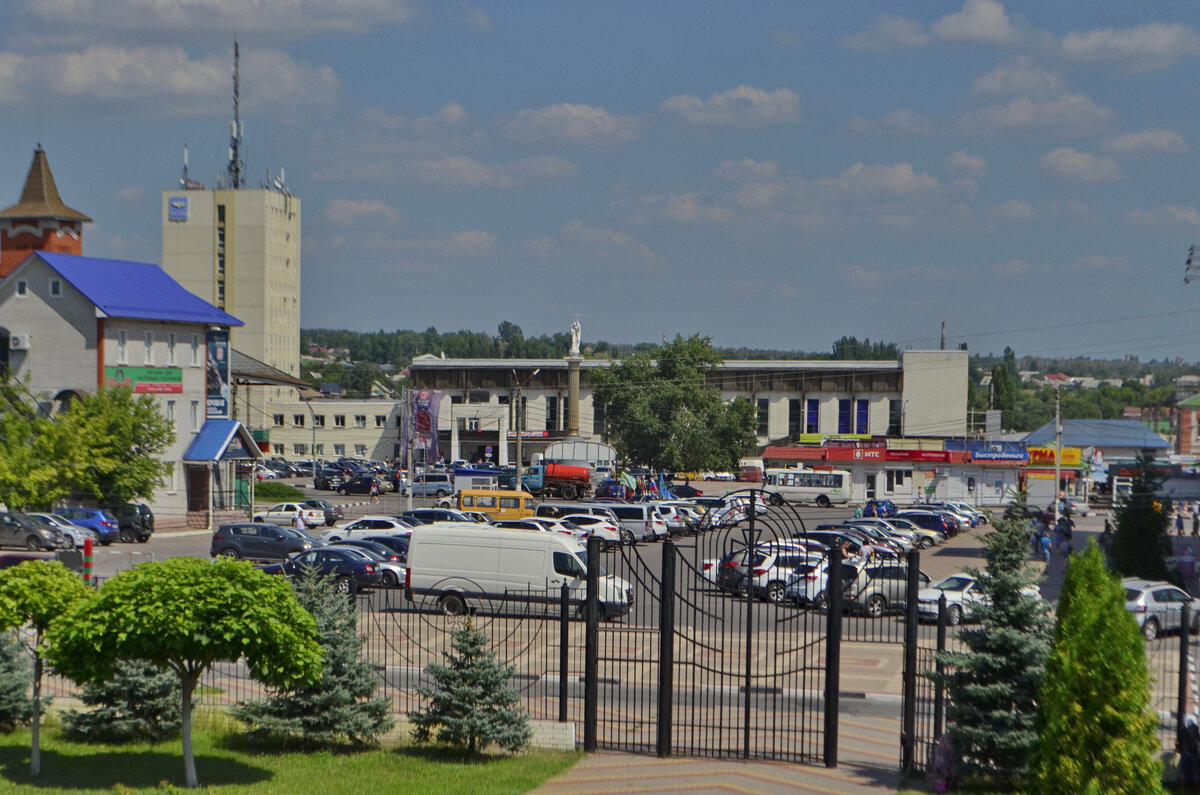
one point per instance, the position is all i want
(145, 380)
(218, 374)
(421, 425)
(177, 208)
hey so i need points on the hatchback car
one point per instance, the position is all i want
(136, 521)
(880, 587)
(429, 515)
(1158, 606)
(21, 530)
(367, 525)
(103, 522)
(333, 513)
(73, 533)
(256, 541)
(880, 508)
(351, 569)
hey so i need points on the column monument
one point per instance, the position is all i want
(574, 359)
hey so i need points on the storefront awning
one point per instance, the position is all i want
(221, 440)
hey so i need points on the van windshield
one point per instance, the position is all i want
(582, 555)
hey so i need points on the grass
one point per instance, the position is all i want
(226, 764)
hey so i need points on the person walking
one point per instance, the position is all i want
(1195, 523)
(1179, 522)
(1188, 746)
(1045, 542)
(299, 523)
(374, 491)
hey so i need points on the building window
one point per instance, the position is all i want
(456, 400)
(843, 415)
(552, 412)
(221, 264)
(896, 478)
(220, 238)
(380, 420)
(479, 396)
(22, 287)
(812, 421)
(277, 421)
(195, 350)
(339, 449)
(339, 420)
(56, 288)
(861, 415)
(297, 420)
(195, 415)
(171, 478)
(221, 294)
(795, 417)
(122, 347)
(171, 411)
(764, 414)
(894, 417)
(360, 450)
(319, 449)
(299, 448)
(221, 212)
(171, 348)
(360, 420)
(318, 420)
(277, 449)
(149, 338)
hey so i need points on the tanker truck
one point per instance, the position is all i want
(549, 479)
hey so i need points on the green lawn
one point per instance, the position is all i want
(226, 765)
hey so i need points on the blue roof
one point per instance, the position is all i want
(1100, 433)
(134, 290)
(219, 440)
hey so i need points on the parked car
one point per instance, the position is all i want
(21, 530)
(428, 515)
(398, 544)
(432, 483)
(392, 570)
(931, 520)
(351, 569)
(333, 513)
(1158, 606)
(764, 571)
(685, 490)
(880, 508)
(809, 583)
(328, 479)
(71, 532)
(136, 521)
(921, 540)
(257, 541)
(613, 535)
(880, 587)
(101, 521)
(962, 593)
(362, 484)
(367, 525)
(285, 514)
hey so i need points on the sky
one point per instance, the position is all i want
(768, 174)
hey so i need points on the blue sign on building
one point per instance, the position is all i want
(177, 208)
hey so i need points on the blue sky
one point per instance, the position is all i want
(771, 174)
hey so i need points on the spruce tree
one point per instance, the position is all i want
(472, 705)
(16, 707)
(1096, 731)
(343, 703)
(139, 702)
(1142, 541)
(993, 686)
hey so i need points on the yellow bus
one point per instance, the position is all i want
(497, 503)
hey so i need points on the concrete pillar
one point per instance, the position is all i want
(573, 363)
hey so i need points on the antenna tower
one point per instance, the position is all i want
(235, 138)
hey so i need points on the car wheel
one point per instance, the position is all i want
(342, 585)
(954, 615)
(452, 605)
(331, 522)
(775, 500)
(334, 539)
(1150, 629)
(33, 544)
(390, 579)
(743, 587)
(231, 553)
(876, 605)
(818, 601)
(607, 546)
(126, 536)
(775, 592)
(441, 492)
(822, 501)
(343, 492)
(569, 493)
(104, 542)
(924, 543)
(627, 538)
(143, 539)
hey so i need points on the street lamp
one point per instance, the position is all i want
(518, 484)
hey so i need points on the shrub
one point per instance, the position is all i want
(139, 702)
(16, 708)
(277, 492)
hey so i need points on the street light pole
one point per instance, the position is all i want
(1057, 449)
(519, 484)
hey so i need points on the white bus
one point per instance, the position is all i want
(824, 487)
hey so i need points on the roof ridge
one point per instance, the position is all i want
(39, 196)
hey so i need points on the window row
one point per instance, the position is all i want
(125, 349)
(339, 420)
(299, 448)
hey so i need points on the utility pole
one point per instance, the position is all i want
(519, 484)
(408, 445)
(1057, 448)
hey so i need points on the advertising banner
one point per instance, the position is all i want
(421, 426)
(145, 380)
(1044, 456)
(218, 374)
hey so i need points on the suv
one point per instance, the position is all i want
(880, 508)
(765, 569)
(97, 519)
(351, 568)
(363, 484)
(255, 541)
(328, 479)
(19, 530)
(1158, 606)
(432, 483)
(135, 520)
(430, 515)
(881, 586)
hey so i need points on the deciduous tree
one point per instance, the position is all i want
(185, 614)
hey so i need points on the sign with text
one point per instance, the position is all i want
(218, 374)
(1044, 456)
(145, 380)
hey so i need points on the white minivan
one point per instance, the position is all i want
(461, 566)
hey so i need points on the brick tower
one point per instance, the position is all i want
(39, 221)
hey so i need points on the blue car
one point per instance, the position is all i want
(101, 521)
(880, 508)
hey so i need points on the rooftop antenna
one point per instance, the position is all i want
(183, 179)
(235, 137)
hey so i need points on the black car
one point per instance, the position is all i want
(397, 544)
(333, 513)
(362, 484)
(685, 491)
(427, 515)
(352, 569)
(255, 541)
(135, 520)
(328, 479)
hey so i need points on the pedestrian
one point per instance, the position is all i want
(1064, 549)
(1187, 569)
(1045, 542)
(858, 512)
(1179, 523)
(1195, 524)
(299, 523)
(1035, 538)
(945, 765)
(1188, 746)
(374, 491)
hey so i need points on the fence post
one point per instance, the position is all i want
(1185, 625)
(666, 649)
(939, 691)
(591, 651)
(564, 640)
(908, 727)
(833, 653)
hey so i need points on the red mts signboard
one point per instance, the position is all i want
(917, 455)
(855, 454)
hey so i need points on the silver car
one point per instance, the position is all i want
(1158, 606)
(73, 533)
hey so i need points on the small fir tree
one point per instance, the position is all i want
(16, 707)
(139, 702)
(471, 705)
(1096, 732)
(343, 704)
(993, 686)
(1142, 541)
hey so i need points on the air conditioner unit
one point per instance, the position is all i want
(18, 342)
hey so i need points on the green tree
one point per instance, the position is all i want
(16, 707)
(659, 409)
(36, 593)
(185, 614)
(343, 702)
(471, 704)
(1004, 389)
(1096, 731)
(36, 467)
(1141, 541)
(138, 702)
(993, 685)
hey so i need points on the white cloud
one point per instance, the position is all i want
(979, 21)
(1012, 211)
(898, 122)
(1156, 141)
(474, 17)
(542, 168)
(866, 182)
(1020, 76)
(467, 172)
(362, 212)
(746, 169)
(690, 208)
(1080, 166)
(961, 164)
(466, 244)
(599, 248)
(577, 233)
(1099, 262)
(787, 38)
(756, 195)
(1069, 115)
(1016, 267)
(449, 119)
(858, 276)
(130, 193)
(1169, 215)
(1151, 46)
(745, 107)
(888, 32)
(572, 124)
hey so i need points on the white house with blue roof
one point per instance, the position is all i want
(71, 324)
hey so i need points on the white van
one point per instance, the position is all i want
(641, 519)
(460, 565)
(555, 509)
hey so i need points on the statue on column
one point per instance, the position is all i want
(575, 332)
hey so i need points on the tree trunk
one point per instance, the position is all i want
(188, 683)
(35, 753)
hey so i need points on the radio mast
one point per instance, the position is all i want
(235, 137)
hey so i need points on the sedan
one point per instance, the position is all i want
(367, 525)
(333, 513)
(74, 534)
(390, 566)
(351, 569)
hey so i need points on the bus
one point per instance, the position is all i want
(824, 487)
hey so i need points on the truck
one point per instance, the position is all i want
(549, 479)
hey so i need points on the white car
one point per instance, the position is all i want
(541, 525)
(284, 514)
(366, 526)
(979, 516)
(612, 535)
(962, 593)
(718, 476)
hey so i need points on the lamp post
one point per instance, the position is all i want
(519, 484)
